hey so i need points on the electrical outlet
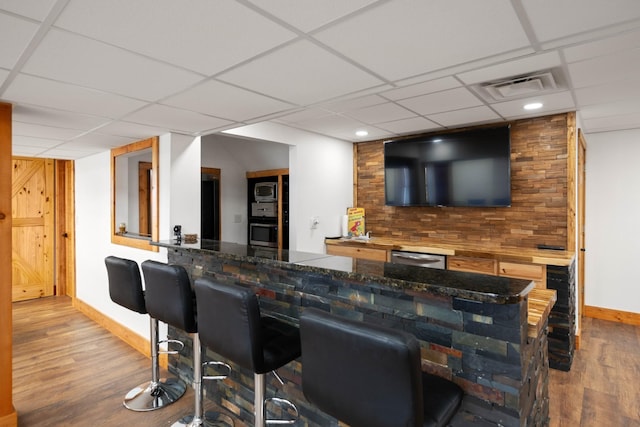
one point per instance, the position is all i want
(313, 222)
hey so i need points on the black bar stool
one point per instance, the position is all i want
(367, 375)
(125, 289)
(170, 299)
(236, 330)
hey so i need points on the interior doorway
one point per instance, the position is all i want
(210, 203)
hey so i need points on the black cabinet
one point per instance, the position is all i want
(268, 208)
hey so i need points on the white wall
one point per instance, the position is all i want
(180, 185)
(321, 181)
(93, 242)
(613, 221)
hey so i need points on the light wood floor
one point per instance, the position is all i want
(68, 371)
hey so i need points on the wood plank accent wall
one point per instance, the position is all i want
(539, 212)
(8, 415)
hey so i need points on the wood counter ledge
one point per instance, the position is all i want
(533, 256)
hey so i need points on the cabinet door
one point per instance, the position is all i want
(472, 265)
(356, 252)
(535, 272)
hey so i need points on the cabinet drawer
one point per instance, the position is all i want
(355, 252)
(472, 265)
(522, 271)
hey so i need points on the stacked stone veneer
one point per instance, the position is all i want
(562, 319)
(481, 346)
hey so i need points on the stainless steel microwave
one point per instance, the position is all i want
(265, 192)
(263, 235)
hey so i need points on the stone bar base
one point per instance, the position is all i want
(482, 346)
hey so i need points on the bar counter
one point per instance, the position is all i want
(472, 328)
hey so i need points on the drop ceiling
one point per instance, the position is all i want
(88, 75)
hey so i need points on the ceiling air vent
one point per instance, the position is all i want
(521, 86)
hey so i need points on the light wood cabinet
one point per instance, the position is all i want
(517, 270)
(358, 252)
(472, 265)
(535, 272)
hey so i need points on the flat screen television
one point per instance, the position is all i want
(463, 168)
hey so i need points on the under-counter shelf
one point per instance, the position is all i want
(358, 252)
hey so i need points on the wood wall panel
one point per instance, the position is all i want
(538, 212)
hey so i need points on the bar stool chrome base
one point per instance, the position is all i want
(154, 395)
(210, 419)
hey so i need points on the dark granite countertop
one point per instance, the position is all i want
(472, 286)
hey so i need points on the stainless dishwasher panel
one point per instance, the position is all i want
(419, 259)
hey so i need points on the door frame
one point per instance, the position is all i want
(582, 173)
(65, 247)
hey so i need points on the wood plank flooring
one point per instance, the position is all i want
(68, 371)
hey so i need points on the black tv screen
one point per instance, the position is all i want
(465, 168)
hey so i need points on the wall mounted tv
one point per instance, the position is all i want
(463, 168)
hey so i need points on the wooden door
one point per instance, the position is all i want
(32, 214)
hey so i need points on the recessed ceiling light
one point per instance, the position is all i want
(533, 106)
(361, 133)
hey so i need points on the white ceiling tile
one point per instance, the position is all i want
(567, 17)
(551, 102)
(226, 101)
(70, 154)
(37, 10)
(29, 141)
(406, 41)
(422, 88)
(218, 34)
(25, 150)
(96, 139)
(301, 73)
(512, 68)
(612, 123)
(39, 131)
(354, 104)
(412, 125)
(303, 115)
(335, 125)
(605, 69)
(602, 47)
(308, 15)
(381, 113)
(608, 92)
(465, 116)
(132, 130)
(47, 93)
(448, 100)
(621, 108)
(15, 35)
(3, 75)
(55, 118)
(75, 59)
(176, 120)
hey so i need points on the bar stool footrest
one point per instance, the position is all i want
(178, 342)
(216, 377)
(286, 405)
